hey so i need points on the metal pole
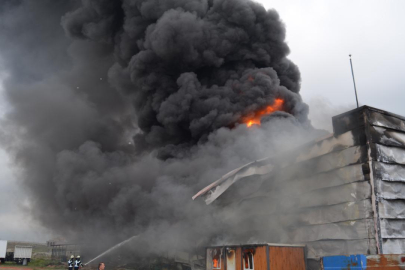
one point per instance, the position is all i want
(354, 82)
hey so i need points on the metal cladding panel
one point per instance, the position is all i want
(346, 193)
(360, 116)
(391, 208)
(338, 177)
(391, 121)
(392, 228)
(335, 160)
(390, 190)
(331, 213)
(331, 144)
(348, 121)
(388, 154)
(393, 246)
(346, 230)
(388, 137)
(309, 168)
(389, 172)
(323, 248)
(352, 262)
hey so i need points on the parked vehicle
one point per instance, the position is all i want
(3, 250)
(22, 254)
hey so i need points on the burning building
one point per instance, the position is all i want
(342, 194)
(117, 109)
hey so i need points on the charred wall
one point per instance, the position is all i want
(386, 154)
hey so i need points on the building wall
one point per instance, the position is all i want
(340, 195)
(265, 257)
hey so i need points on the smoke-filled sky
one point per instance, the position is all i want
(319, 34)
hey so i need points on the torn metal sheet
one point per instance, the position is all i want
(213, 191)
(388, 121)
(324, 248)
(264, 166)
(392, 228)
(346, 193)
(346, 230)
(390, 190)
(391, 208)
(389, 172)
(388, 154)
(332, 213)
(393, 246)
(387, 137)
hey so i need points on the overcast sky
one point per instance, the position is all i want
(321, 35)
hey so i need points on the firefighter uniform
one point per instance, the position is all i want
(78, 263)
(71, 262)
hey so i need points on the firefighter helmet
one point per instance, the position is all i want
(78, 257)
(71, 256)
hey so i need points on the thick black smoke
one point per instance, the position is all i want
(119, 111)
(191, 66)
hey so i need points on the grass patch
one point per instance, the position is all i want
(44, 262)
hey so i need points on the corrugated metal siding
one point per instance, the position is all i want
(364, 262)
(22, 252)
(387, 144)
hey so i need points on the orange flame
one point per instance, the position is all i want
(255, 119)
(215, 263)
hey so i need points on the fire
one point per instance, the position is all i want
(215, 262)
(255, 119)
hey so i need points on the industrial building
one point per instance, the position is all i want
(343, 194)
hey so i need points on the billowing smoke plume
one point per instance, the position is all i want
(119, 111)
(191, 67)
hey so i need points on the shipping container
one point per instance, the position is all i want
(364, 262)
(256, 257)
(3, 250)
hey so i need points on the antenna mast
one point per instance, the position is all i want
(354, 82)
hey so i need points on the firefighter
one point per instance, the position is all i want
(78, 263)
(71, 262)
